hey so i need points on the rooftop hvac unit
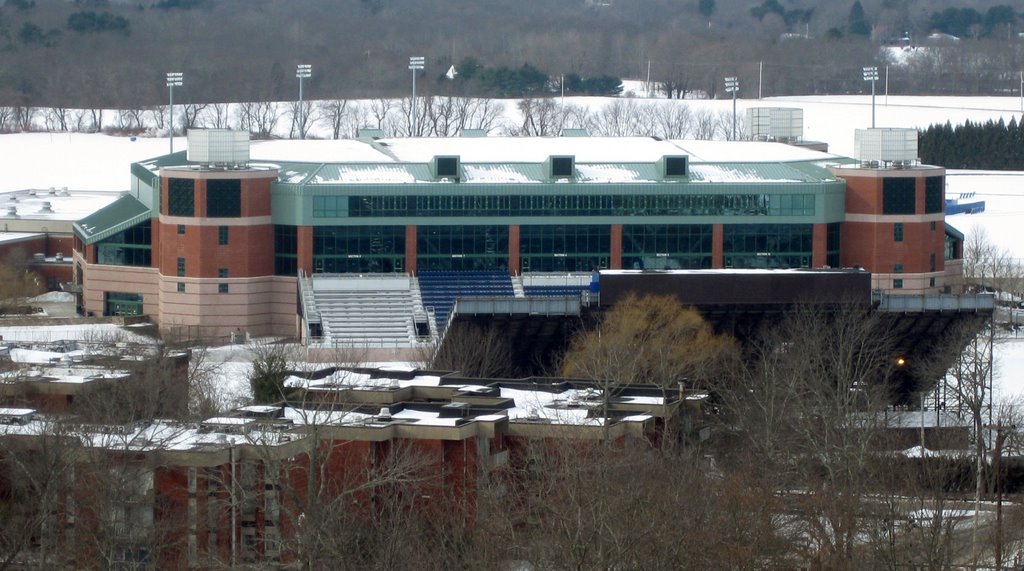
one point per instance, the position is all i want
(885, 147)
(12, 210)
(218, 147)
(775, 123)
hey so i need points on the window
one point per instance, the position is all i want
(933, 225)
(181, 229)
(223, 198)
(897, 268)
(181, 197)
(666, 247)
(130, 247)
(897, 284)
(285, 250)
(675, 166)
(898, 195)
(122, 303)
(181, 267)
(562, 167)
(359, 249)
(181, 287)
(931, 282)
(222, 272)
(934, 194)
(897, 232)
(769, 245)
(447, 167)
(931, 263)
(222, 288)
(222, 235)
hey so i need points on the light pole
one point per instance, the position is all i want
(732, 85)
(302, 71)
(415, 64)
(871, 74)
(174, 79)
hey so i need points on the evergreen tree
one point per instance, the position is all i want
(857, 22)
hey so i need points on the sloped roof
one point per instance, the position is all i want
(119, 215)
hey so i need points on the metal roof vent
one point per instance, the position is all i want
(384, 414)
(885, 147)
(783, 124)
(12, 198)
(64, 191)
(218, 147)
(12, 210)
(47, 208)
(53, 191)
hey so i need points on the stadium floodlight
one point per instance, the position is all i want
(174, 79)
(732, 85)
(416, 63)
(871, 74)
(302, 71)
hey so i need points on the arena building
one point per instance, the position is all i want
(257, 237)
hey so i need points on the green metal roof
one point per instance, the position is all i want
(954, 232)
(119, 215)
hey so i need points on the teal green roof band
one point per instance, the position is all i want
(119, 215)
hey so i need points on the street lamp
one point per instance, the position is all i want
(174, 79)
(871, 74)
(302, 71)
(416, 63)
(732, 85)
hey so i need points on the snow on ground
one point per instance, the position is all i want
(54, 297)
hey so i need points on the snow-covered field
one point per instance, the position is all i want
(99, 162)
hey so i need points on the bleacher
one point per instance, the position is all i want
(369, 310)
(555, 284)
(439, 289)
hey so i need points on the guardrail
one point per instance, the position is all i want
(971, 302)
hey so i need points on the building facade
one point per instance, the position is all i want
(215, 246)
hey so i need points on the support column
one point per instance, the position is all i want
(410, 249)
(819, 246)
(717, 246)
(513, 249)
(304, 249)
(615, 262)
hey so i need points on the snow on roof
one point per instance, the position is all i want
(18, 236)
(371, 174)
(609, 173)
(31, 356)
(531, 149)
(320, 151)
(733, 174)
(494, 173)
(556, 408)
(746, 151)
(77, 375)
(64, 205)
(99, 332)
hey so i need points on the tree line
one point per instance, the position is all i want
(993, 145)
(436, 116)
(110, 54)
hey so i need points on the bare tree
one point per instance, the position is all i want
(216, 116)
(190, 114)
(56, 119)
(259, 118)
(341, 115)
(303, 115)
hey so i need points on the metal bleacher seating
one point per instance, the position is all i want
(439, 289)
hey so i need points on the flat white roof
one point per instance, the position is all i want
(67, 206)
(17, 236)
